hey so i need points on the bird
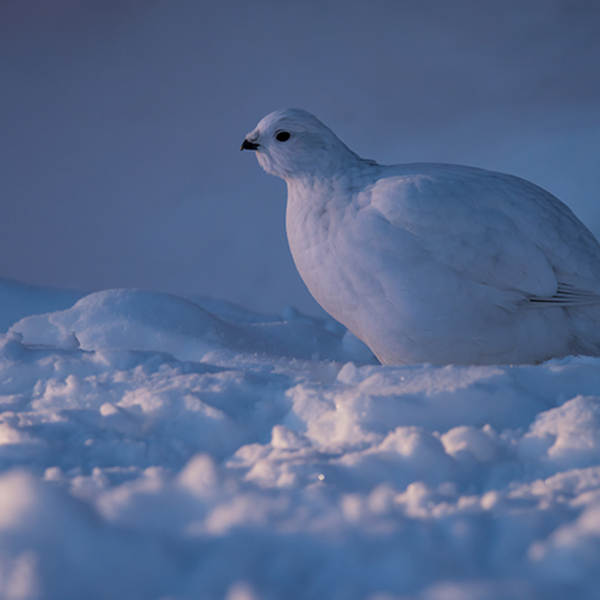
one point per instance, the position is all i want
(430, 262)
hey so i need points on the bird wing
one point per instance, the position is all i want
(493, 229)
(566, 295)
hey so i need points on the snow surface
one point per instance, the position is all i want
(153, 447)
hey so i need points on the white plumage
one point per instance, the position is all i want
(430, 262)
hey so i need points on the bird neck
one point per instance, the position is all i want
(333, 183)
(316, 205)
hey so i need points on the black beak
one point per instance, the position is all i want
(248, 145)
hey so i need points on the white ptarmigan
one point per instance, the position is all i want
(430, 262)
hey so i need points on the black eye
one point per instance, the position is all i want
(282, 136)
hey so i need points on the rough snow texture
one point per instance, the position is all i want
(151, 448)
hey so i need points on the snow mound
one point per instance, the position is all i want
(155, 321)
(152, 448)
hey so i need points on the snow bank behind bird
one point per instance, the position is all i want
(162, 322)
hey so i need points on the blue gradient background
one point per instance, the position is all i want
(121, 123)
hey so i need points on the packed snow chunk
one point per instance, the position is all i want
(131, 319)
(45, 533)
(573, 483)
(566, 437)
(571, 554)
(16, 445)
(118, 408)
(157, 501)
(241, 591)
(200, 477)
(141, 320)
(289, 461)
(442, 398)
(333, 421)
(470, 443)
(406, 455)
(365, 403)
(284, 438)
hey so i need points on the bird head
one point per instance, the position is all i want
(292, 143)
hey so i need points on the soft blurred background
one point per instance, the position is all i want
(121, 121)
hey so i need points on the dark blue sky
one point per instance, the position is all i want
(121, 123)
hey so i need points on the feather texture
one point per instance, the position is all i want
(431, 262)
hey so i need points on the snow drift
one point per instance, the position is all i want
(152, 447)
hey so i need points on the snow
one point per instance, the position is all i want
(177, 447)
(151, 447)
